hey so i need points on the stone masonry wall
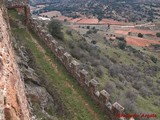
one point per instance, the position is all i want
(81, 75)
(13, 102)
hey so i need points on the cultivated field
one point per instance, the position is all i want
(142, 42)
(51, 14)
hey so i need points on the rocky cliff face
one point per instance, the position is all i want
(13, 103)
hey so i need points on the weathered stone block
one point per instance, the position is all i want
(93, 86)
(67, 58)
(49, 37)
(74, 67)
(60, 51)
(54, 45)
(117, 108)
(108, 106)
(104, 97)
(83, 76)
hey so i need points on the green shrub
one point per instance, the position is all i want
(140, 35)
(122, 45)
(154, 59)
(55, 28)
(158, 34)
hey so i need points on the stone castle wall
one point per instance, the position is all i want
(81, 75)
(13, 102)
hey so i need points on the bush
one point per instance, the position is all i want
(93, 42)
(121, 77)
(137, 85)
(140, 35)
(121, 39)
(54, 28)
(88, 27)
(154, 59)
(71, 44)
(84, 45)
(105, 62)
(130, 106)
(69, 32)
(149, 81)
(77, 53)
(158, 81)
(89, 32)
(114, 70)
(119, 85)
(145, 92)
(99, 72)
(158, 34)
(93, 28)
(132, 95)
(110, 87)
(122, 45)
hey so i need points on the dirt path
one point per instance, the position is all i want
(83, 101)
(40, 48)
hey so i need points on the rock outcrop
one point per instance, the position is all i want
(41, 100)
(13, 103)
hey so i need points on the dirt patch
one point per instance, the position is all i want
(142, 42)
(125, 32)
(88, 21)
(143, 31)
(122, 32)
(75, 20)
(111, 22)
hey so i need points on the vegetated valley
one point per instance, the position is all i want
(130, 74)
(117, 42)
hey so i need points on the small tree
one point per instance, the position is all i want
(65, 20)
(89, 32)
(140, 35)
(108, 26)
(154, 59)
(158, 34)
(93, 42)
(54, 28)
(129, 33)
(122, 45)
(100, 18)
(88, 27)
(93, 28)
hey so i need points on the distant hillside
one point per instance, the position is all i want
(32, 2)
(121, 10)
(80, 1)
(49, 1)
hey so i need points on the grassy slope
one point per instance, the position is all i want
(78, 103)
(122, 56)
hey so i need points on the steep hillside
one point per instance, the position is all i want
(51, 91)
